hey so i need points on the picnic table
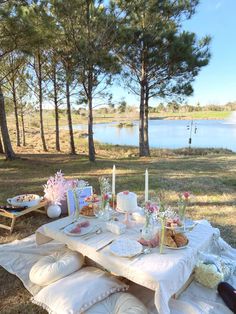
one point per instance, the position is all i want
(166, 274)
(14, 214)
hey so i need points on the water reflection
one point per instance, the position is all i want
(170, 134)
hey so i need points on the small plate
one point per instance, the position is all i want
(125, 247)
(84, 230)
(177, 248)
(189, 225)
(89, 217)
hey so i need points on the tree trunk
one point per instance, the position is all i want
(146, 111)
(141, 123)
(23, 127)
(72, 144)
(91, 147)
(4, 129)
(143, 111)
(16, 112)
(41, 102)
(1, 146)
(56, 109)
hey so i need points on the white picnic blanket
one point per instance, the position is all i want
(164, 273)
(19, 256)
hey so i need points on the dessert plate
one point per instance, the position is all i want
(83, 230)
(189, 225)
(177, 248)
(125, 247)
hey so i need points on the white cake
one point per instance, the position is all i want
(126, 201)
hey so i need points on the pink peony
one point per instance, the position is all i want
(186, 195)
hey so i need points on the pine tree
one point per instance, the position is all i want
(159, 59)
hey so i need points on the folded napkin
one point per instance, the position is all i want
(115, 227)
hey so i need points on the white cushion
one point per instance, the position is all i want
(78, 292)
(55, 266)
(118, 303)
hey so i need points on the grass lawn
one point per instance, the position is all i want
(209, 174)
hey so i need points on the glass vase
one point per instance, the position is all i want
(148, 230)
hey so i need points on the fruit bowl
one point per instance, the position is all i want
(23, 200)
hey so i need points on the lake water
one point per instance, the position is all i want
(170, 134)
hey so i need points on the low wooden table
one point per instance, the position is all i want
(167, 274)
(14, 215)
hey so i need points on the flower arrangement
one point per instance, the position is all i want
(163, 217)
(105, 188)
(55, 188)
(182, 204)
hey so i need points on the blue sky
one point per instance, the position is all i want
(216, 82)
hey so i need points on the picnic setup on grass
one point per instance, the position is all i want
(114, 252)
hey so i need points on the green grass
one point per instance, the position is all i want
(209, 174)
(218, 115)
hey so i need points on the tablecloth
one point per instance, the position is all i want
(164, 273)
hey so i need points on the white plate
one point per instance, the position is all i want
(189, 225)
(84, 230)
(176, 248)
(89, 217)
(125, 247)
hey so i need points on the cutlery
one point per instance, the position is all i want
(102, 247)
(144, 252)
(90, 235)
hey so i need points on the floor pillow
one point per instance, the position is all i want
(78, 292)
(55, 266)
(118, 303)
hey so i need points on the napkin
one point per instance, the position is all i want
(115, 227)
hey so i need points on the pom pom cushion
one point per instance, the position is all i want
(55, 266)
(118, 303)
(78, 292)
(208, 275)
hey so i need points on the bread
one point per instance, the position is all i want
(180, 239)
(87, 211)
(173, 239)
(168, 238)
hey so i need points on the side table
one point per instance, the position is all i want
(13, 215)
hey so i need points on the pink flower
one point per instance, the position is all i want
(151, 207)
(186, 195)
(105, 197)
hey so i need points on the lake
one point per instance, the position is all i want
(169, 134)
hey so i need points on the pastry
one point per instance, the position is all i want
(180, 239)
(126, 201)
(169, 238)
(87, 211)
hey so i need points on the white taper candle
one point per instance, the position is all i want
(146, 185)
(114, 180)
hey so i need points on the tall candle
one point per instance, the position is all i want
(114, 180)
(146, 185)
